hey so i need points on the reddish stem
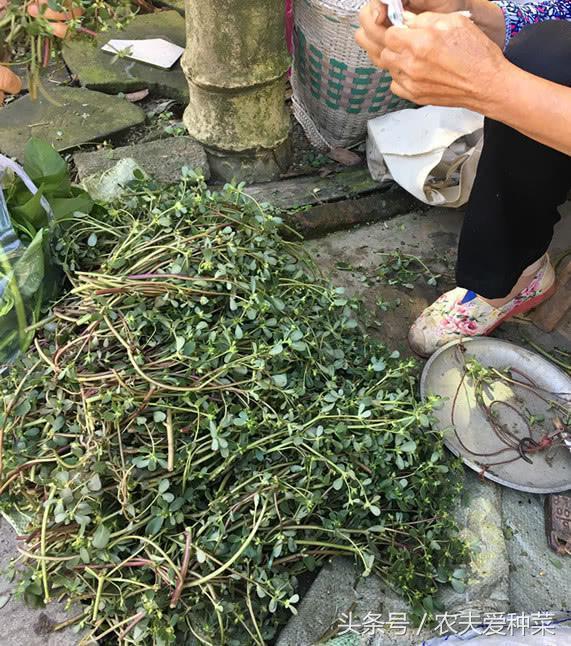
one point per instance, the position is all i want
(47, 51)
(183, 571)
(84, 30)
(136, 619)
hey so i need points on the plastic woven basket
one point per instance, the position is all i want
(336, 90)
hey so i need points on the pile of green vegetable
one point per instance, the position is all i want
(203, 420)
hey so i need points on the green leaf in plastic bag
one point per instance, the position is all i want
(31, 212)
(46, 166)
(64, 206)
(29, 268)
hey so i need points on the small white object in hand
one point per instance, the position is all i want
(395, 12)
(154, 51)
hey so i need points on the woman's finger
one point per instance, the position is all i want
(373, 49)
(374, 20)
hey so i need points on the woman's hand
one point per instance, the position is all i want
(442, 59)
(374, 21)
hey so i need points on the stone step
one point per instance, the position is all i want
(66, 117)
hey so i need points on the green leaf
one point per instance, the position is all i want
(408, 447)
(31, 212)
(45, 165)
(338, 484)
(159, 416)
(29, 269)
(92, 240)
(424, 421)
(277, 349)
(64, 206)
(458, 585)
(94, 483)
(280, 380)
(164, 485)
(101, 537)
(154, 526)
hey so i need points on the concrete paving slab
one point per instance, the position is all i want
(433, 237)
(540, 580)
(21, 625)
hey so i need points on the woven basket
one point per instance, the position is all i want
(336, 90)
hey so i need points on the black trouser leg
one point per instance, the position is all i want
(520, 182)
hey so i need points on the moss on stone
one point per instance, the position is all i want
(99, 70)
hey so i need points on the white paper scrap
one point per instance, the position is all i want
(154, 51)
(395, 12)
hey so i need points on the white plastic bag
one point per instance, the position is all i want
(432, 152)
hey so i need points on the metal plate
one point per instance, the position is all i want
(551, 469)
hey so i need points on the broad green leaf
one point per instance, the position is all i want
(64, 206)
(94, 483)
(31, 212)
(29, 268)
(459, 586)
(45, 165)
(338, 484)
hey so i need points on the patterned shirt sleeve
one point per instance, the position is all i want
(518, 16)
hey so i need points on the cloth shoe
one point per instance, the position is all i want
(460, 313)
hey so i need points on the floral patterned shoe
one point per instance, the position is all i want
(460, 313)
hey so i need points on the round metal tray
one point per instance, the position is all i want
(550, 471)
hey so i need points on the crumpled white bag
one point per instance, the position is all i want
(432, 152)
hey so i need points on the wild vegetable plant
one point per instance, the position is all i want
(202, 421)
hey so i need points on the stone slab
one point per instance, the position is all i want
(331, 595)
(66, 117)
(314, 205)
(56, 73)
(98, 70)
(319, 220)
(178, 5)
(21, 625)
(312, 190)
(540, 580)
(162, 159)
